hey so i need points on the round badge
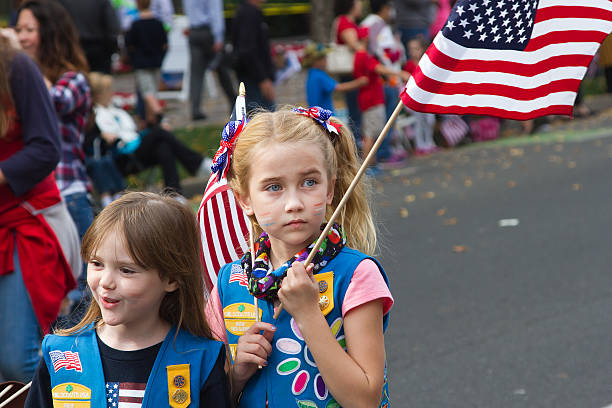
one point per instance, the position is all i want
(322, 286)
(323, 302)
(179, 396)
(179, 381)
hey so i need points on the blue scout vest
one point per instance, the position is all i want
(77, 378)
(291, 378)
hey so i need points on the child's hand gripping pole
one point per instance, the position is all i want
(349, 191)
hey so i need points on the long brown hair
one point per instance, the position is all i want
(59, 49)
(160, 234)
(6, 98)
(285, 126)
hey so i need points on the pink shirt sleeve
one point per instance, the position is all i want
(367, 284)
(214, 315)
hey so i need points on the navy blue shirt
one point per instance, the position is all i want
(40, 135)
(147, 42)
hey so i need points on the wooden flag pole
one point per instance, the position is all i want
(349, 191)
(15, 395)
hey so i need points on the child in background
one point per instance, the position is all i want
(147, 43)
(424, 122)
(371, 98)
(319, 85)
(289, 171)
(145, 337)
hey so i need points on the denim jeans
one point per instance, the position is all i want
(353, 108)
(20, 335)
(391, 100)
(82, 215)
(254, 97)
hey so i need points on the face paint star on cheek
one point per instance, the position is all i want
(318, 208)
(265, 219)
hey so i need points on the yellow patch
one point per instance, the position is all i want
(326, 291)
(71, 395)
(233, 348)
(179, 391)
(239, 317)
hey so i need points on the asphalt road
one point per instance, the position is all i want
(491, 316)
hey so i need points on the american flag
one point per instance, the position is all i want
(515, 59)
(224, 228)
(65, 359)
(124, 394)
(237, 274)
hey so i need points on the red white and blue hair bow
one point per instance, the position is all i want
(222, 158)
(321, 116)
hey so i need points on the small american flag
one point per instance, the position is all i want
(224, 228)
(238, 275)
(515, 59)
(65, 359)
(124, 394)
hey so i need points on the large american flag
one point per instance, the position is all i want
(224, 228)
(515, 59)
(65, 359)
(124, 394)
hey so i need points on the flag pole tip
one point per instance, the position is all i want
(241, 89)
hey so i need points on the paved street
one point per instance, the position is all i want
(492, 316)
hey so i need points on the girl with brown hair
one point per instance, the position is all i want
(145, 335)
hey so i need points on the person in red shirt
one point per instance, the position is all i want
(371, 97)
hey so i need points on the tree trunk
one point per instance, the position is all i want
(321, 17)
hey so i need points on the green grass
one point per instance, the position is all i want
(594, 86)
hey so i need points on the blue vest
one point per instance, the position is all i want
(77, 377)
(291, 378)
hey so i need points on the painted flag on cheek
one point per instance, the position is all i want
(515, 59)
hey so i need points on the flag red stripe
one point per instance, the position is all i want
(466, 88)
(549, 13)
(478, 110)
(133, 400)
(217, 216)
(207, 282)
(444, 61)
(231, 226)
(210, 247)
(563, 37)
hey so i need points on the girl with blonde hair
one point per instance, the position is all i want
(289, 170)
(144, 336)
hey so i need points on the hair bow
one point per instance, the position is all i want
(321, 116)
(222, 158)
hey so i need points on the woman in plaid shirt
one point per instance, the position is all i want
(47, 33)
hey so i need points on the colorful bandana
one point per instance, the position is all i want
(321, 116)
(264, 283)
(222, 158)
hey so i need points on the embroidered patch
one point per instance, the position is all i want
(178, 385)
(306, 404)
(300, 382)
(320, 387)
(233, 348)
(71, 394)
(288, 346)
(237, 274)
(239, 317)
(326, 291)
(288, 366)
(65, 359)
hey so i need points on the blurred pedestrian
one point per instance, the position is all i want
(206, 31)
(254, 64)
(46, 33)
(414, 18)
(98, 27)
(164, 11)
(147, 42)
(39, 244)
(345, 32)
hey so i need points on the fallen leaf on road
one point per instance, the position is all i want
(516, 152)
(384, 203)
(576, 187)
(571, 164)
(458, 249)
(467, 183)
(558, 148)
(511, 184)
(598, 143)
(406, 181)
(506, 165)
(537, 148)
(429, 195)
(380, 188)
(555, 159)
(403, 212)
(410, 198)
(450, 221)
(417, 181)
(395, 172)
(441, 212)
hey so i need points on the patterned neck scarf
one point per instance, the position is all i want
(264, 282)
